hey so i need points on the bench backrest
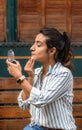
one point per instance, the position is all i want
(13, 118)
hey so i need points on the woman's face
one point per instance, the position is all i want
(39, 50)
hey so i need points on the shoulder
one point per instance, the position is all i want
(61, 70)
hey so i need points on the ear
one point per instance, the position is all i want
(52, 51)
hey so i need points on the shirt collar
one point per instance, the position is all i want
(53, 69)
(50, 70)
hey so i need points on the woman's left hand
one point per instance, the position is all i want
(29, 67)
(14, 69)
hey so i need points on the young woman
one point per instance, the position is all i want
(48, 90)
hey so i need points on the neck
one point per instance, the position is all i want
(46, 66)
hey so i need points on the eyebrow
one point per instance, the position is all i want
(39, 42)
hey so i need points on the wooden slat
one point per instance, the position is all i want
(28, 57)
(11, 97)
(17, 124)
(55, 6)
(16, 57)
(77, 110)
(78, 82)
(79, 128)
(77, 20)
(78, 122)
(8, 83)
(78, 96)
(13, 112)
(8, 97)
(69, 5)
(29, 7)
(2, 20)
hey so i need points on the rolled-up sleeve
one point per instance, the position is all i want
(23, 104)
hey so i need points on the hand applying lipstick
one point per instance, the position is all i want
(29, 67)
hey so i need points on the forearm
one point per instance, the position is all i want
(30, 80)
(26, 86)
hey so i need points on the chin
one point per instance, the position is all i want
(36, 58)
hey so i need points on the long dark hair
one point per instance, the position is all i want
(62, 43)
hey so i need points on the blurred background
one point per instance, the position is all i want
(20, 21)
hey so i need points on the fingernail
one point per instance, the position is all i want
(32, 57)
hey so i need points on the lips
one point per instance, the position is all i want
(32, 54)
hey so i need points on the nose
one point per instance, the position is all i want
(32, 47)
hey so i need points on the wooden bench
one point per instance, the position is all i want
(13, 118)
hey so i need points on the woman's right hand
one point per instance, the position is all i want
(14, 69)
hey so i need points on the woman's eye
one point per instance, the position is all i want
(38, 44)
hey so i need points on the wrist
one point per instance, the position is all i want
(18, 76)
(21, 79)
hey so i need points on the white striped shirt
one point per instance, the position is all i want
(52, 105)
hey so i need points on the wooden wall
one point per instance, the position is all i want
(76, 20)
(66, 15)
(2, 20)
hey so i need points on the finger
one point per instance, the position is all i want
(32, 62)
(17, 62)
(19, 65)
(10, 63)
(28, 63)
(9, 68)
(7, 62)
